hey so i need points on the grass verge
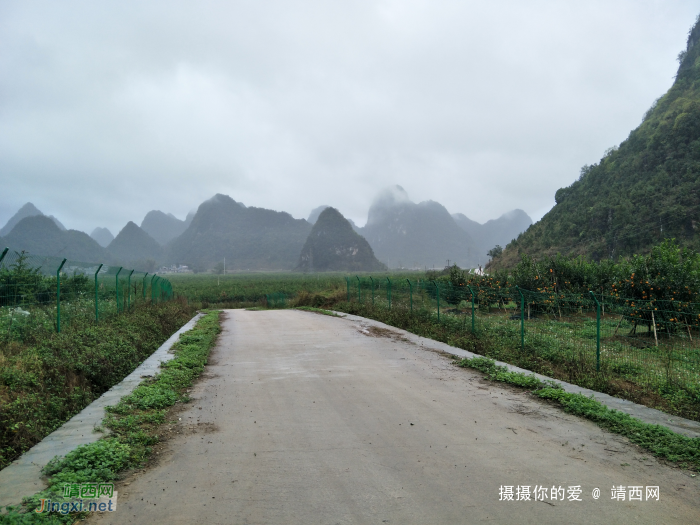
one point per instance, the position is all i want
(133, 423)
(657, 439)
(317, 310)
(501, 341)
(44, 384)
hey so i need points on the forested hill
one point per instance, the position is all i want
(333, 245)
(247, 237)
(644, 191)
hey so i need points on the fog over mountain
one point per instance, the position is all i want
(134, 247)
(407, 234)
(498, 231)
(333, 245)
(39, 235)
(398, 232)
(248, 237)
(103, 236)
(313, 217)
(164, 227)
(111, 110)
(28, 210)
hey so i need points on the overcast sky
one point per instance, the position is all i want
(111, 109)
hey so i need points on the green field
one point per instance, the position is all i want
(243, 289)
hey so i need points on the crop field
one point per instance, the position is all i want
(242, 289)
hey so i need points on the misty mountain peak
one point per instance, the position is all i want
(28, 210)
(163, 227)
(333, 245)
(313, 216)
(391, 196)
(103, 236)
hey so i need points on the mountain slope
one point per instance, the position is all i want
(333, 245)
(315, 213)
(39, 235)
(103, 236)
(163, 227)
(248, 237)
(28, 210)
(644, 191)
(408, 234)
(134, 247)
(496, 231)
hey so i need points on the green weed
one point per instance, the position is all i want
(133, 422)
(657, 439)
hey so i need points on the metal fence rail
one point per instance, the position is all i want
(49, 293)
(647, 342)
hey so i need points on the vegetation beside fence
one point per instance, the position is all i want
(134, 424)
(45, 383)
(646, 351)
(39, 295)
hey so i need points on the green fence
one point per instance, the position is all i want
(49, 293)
(276, 300)
(649, 343)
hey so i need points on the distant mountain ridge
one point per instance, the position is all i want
(28, 210)
(134, 247)
(333, 245)
(103, 236)
(398, 232)
(248, 237)
(164, 227)
(39, 235)
(499, 231)
(403, 233)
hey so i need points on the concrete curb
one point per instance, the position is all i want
(677, 424)
(23, 478)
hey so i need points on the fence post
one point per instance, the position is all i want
(4, 252)
(359, 292)
(522, 319)
(97, 301)
(597, 331)
(116, 279)
(372, 283)
(410, 291)
(472, 292)
(128, 289)
(143, 286)
(388, 291)
(58, 297)
(437, 294)
(347, 282)
(152, 294)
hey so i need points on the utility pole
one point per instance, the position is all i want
(224, 265)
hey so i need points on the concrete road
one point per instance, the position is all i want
(302, 418)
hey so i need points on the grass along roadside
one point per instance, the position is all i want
(657, 439)
(133, 423)
(317, 310)
(45, 383)
(499, 339)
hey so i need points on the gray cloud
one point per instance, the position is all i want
(110, 110)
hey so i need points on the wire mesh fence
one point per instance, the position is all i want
(276, 300)
(40, 293)
(650, 343)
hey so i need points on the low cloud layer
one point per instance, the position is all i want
(109, 111)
